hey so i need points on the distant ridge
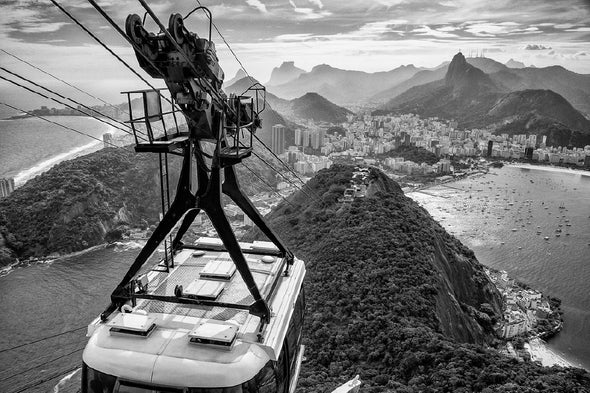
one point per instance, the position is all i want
(315, 107)
(286, 72)
(514, 64)
(239, 75)
(342, 87)
(477, 99)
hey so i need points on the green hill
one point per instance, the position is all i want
(393, 297)
(79, 203)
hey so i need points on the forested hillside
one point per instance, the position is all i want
(79, 203)
(393, 297)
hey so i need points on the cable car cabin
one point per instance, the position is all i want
(210, 346)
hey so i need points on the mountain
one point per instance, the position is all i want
(466, 79)
(343, 87)
(419, 78)
(466, 93)
(572, 86)
(313, 106)
(543, 112)
(545, 102)
(285, 73)
(426, 76)
(393, 297)
(477, 99)
(240, 74)
(514, 64)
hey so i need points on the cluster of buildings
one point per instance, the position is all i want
(367, 137)
(524, 307)
(101, 110)
(522, 146)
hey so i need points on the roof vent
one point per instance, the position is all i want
(264, 247)
(210, 243)
(204, 289)
(219, 269)
(214, 333)
(130, 324)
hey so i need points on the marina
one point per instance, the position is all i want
(541, 239)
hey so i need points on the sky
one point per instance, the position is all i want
(366, 35)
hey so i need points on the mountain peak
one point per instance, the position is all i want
(462, 76)
(286, 72)
(515, 64)
(239, 75)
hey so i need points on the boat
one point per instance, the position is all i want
(546, 238)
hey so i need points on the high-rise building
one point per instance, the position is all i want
(316, 139)
(305, 138)
(107, 139)
(277, 139)
(298, 137)
(6, 187)
(490, 147)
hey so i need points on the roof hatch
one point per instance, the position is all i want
(204, 289)
(221, 269)
(214, 333)
(132, 324)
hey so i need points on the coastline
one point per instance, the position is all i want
(539, 349)
(6, 270)
(549, 168)
(540, 352)
(38, 168)
(46, 165)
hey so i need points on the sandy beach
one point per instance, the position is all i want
(541, 352)
(551, 169)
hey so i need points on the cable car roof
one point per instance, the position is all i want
(128, 346)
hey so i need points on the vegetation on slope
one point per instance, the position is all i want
(393, 297)
(412, 153)
(81, 202)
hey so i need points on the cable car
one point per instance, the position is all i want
(216, 315)
(213, 347)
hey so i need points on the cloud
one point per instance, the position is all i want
(318, 3)
(536, 47)
(310, 13)
(584, 29)
(258, 5)
(427, 31)
(293, 37)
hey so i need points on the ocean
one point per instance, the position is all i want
(533, 222)
(30, 146)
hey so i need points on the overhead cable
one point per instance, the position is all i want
(67, 98)
(106, 47)
(63, 103)
(266, 183)
(47, 337)
(77, 132)
(63, 81)
(41, 364)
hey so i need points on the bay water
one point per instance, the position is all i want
(533, 222)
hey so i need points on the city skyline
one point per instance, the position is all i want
(371, 36)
